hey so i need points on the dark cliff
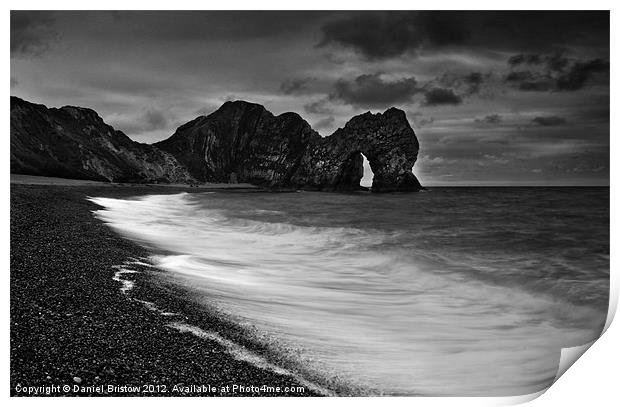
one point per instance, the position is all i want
(74, 142)
(240, 142)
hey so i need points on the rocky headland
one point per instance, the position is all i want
(241, 142)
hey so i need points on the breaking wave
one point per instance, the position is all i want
(350, 305)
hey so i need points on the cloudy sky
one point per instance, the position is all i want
(495, 98)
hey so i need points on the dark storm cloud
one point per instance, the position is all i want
(217, 25)
(490, 119)
(554, 72)
(530, 81)
(31, 32)
(580, 73)
(473, 81)
(555, 62)
(147, 72)
(548, 121)
(389, 34)
(372, 90)
(441, 96)
(380, 35)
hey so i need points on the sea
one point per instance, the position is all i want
(448, 292)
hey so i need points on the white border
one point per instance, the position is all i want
(593, 381)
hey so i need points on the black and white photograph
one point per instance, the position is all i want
(216, 203)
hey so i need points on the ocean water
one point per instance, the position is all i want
(454, 291)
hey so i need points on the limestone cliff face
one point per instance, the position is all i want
(74, 142)
(386, 139)
(244, 142)
(240, 142)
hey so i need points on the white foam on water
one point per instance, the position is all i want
(152, 307)
(236, 351)
(243, 354)
(372, 318)
(127, 285)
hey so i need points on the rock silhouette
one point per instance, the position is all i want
(243, 139)
(386, 139)
(74, 142)
(240, 142)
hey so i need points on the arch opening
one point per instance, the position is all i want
(368, 175)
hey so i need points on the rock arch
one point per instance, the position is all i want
(284, 151)
(386, 139)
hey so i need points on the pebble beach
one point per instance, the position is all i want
(76, 332)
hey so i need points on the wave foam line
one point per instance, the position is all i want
(237, 351)
(243, 354)
(127, 285)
